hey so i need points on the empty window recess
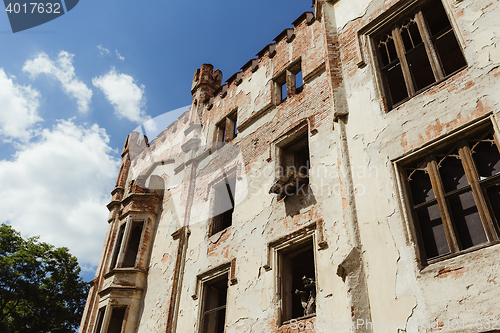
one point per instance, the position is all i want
(223, 205)
(214, 305)
(294, 167)
(132, 246)
(100, 318)
(416, 52)
(127, 245)
(116, 320)
(297, 282)
(227, 129)
(288, 83)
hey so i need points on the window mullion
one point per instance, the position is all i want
(429, 46)
(398, 43)
(473, 178)
(437, 185)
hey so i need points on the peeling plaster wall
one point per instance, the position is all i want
(411, 293)
(366, 258)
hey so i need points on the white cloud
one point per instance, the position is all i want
(18, 109)
(62, 69)
(119, 56)
(124, 94)
(58, 188)
(103, 51)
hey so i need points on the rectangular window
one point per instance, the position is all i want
(455, 195)
(214, 305)
(294, 167)
(132, 246)
(223, 204)
(288, 83)
(116, 320)
(295, 156)
(418, 51)
(227, 129)
(127, 244)
(297, 277)
(100, 318)
(118, 245)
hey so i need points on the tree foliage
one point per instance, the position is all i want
(40, 287)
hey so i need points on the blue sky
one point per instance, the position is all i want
(72, 89)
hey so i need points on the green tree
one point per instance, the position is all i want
(40, 287)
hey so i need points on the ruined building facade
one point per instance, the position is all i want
(347, 179)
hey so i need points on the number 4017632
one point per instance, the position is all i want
(34, 7)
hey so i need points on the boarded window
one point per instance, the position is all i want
(418, 51)
(294, 167)
(455, 195)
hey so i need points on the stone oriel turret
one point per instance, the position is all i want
(205, 82)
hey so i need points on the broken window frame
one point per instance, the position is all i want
(223, 220)
(286, 81)
(286, 286)
(220, 279)
(462, 149)
(291, 179)
(428, 43)
(125, 238)
(226, 129)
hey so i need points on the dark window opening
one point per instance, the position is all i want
(298, 282)
(116, 320)
(132, 247)
(223, 205)
(294, 168)
(214, 305)
(100, 318)
(411, 61)
(118, 245)
(455, 196)
(295, 156)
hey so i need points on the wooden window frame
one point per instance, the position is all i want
(209, 279)
(475, 185)
(430, 50)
